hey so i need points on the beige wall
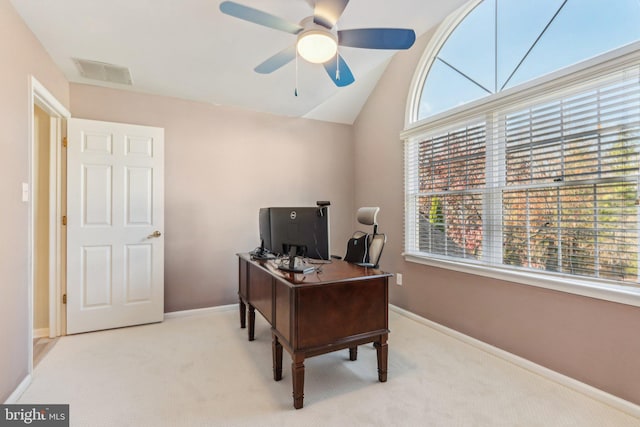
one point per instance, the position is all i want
(41, 157)
(223, 164)
(215, 183)
(21, 55)
(591, 340)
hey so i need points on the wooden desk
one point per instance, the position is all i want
(342, 306)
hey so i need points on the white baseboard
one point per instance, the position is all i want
(13, 398)
(590, 391)
(199, 311)
(41, 333)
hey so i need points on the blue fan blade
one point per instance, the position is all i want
(377, 38)
(327, 12)
(258, 17)
(344, 77)
(278, 60)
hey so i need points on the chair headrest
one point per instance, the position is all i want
(367, 216)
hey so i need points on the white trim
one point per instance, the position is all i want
(17, 393)
(41, 333)
(47, 101)
(447, 26)
(568, 284)
(56, 231)
(593, 68)
(578, 386)
(200, 311)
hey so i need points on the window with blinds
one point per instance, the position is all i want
(548, 185)
(450, 179)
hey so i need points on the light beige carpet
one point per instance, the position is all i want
(41, 347)
(202, 371)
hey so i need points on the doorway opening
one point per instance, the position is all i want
(46, 236)
(40, 196)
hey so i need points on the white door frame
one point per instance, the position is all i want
(40, 96)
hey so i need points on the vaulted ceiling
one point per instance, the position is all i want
(189, 49)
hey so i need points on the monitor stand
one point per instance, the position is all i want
(292, 266)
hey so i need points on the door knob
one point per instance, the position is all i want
(154, 234)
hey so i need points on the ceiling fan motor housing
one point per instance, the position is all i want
(316, 43)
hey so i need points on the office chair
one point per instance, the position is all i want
(375, 242)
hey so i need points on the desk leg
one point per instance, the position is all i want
(382, 350)
(243, 314)
(252, 322)
(297, 373)
(353, 353)
(276, 349)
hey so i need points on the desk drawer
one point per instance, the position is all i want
(330, 314)
(260, 290)
(242, 278)
(283, 296)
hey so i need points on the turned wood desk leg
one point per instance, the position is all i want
(276, 349)
(243, 314)
(382, 350)
(297, 373)
(252, 322)
(353, 353)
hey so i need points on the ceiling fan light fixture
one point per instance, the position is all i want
(317, 46)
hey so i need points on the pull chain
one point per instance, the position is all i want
(337, 65)
(295, 92)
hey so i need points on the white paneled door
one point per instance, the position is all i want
(115, 225)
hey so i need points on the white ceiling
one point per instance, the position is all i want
(189, 49)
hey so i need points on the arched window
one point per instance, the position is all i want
(502, 43)
(522, 146)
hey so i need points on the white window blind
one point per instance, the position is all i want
(447, 173)
(549, 185)
(571, 184)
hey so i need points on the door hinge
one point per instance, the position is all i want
(64, 220)
(64, 298)
(64, 141)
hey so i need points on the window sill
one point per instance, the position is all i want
(613, 293)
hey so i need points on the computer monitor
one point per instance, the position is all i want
(264, 228)
(296, 232)
(305, 228)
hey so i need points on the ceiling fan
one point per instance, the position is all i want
(318, 38)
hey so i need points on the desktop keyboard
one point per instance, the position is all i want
(261, 255)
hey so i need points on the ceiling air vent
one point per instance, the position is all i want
(104, 72)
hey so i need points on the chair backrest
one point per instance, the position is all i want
(368, 216)
(375, 248)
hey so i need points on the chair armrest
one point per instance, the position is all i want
(365, 264)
